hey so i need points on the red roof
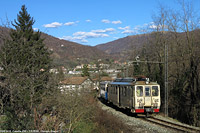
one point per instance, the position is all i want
(104, 78)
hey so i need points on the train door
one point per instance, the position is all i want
(156, 98)
(106, 91)
(147, 96)
(119, 95)
(139, 98)
(131, 100)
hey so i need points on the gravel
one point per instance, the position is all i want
(137, 124)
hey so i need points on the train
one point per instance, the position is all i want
(136, 94)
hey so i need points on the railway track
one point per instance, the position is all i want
(172, 125)
(167, 125)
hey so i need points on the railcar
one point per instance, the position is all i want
(103, 91)
(136, 94)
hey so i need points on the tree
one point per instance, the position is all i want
(85, 71)
(179, 30)
(189, 45)
(26, 62)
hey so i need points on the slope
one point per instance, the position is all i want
(124, 48)
(66, 52)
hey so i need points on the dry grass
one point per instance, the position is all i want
(108, 123)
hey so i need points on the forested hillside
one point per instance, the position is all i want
(65, 52)
(125, 48)
(177, 34)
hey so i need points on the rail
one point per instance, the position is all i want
(172, 125)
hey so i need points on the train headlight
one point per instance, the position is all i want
(141, 105)
(156, 100)
(155, 105)
(139, 100)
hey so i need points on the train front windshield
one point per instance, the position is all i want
(155, 91)
(139, 91)
(147, 91)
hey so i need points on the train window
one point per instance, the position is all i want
(127, 91)
(130, 91)
(154, 90)
(124, 91)
(147, 91)
(139, 91)
(103, 87)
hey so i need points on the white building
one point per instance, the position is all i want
(73, 83)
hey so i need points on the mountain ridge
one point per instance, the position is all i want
(65, 52)
(123, 48)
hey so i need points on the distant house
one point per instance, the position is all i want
(73, 83)
(54, 70)
(74, 72)
(102, 79)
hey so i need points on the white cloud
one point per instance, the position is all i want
(110, 29)
(69, 23)
(75, 39)
(124, 28)
(89, 34)
(82, 36)
(103, 30)
(88, 20)
(116, 22)
(35, 29)
(52, 25)
(113, 22)
(105, 21)
(154, 26)
(147, 27)
(127, 32)
(99, 31)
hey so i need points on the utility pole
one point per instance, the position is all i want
(166, 80)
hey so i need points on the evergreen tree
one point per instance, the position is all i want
(85, 71)
(26, 62)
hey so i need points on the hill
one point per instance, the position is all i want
(124, 48)
(66, 52)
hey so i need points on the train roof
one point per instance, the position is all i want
(139, 80)
(134, 83)
(131, 79)
(121, 83)
(125, 79)
(145, 83)
(105, 82)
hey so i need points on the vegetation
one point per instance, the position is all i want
(179, 31)
(26, 63)
(85, 71)
(30, 98)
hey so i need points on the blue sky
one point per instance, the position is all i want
(88, 22)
